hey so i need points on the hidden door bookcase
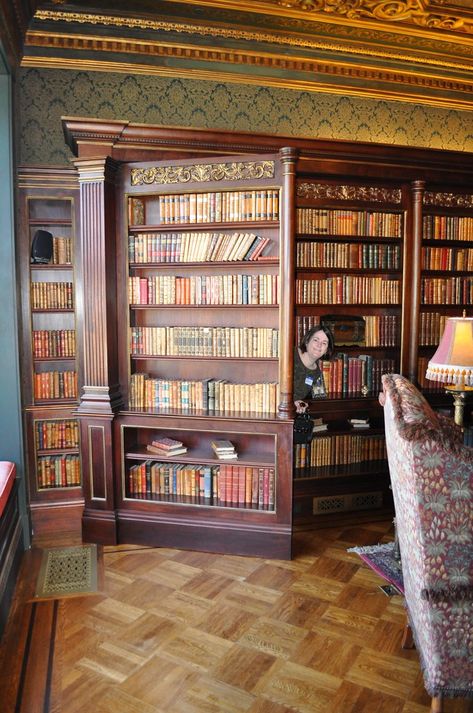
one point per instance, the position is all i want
(349, 246)
(48, 201)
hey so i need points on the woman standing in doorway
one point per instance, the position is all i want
(316, 344)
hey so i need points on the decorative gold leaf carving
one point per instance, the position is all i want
(448, 200)
(413, 11)
(199, 173)
(345, 193)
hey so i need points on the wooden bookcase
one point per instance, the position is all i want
(144, 271)
(446, 272)
(48, 200)
(199, 354)
(349, 246)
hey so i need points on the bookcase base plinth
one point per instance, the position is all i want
(246, 539)
(99, 526)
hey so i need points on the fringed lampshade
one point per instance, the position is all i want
(452, 363)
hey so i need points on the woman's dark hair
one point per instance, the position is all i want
(308, 336)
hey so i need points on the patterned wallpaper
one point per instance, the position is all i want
(44, 95)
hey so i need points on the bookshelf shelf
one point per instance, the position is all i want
(201, 227)
(226, 307)
(49, 328)
(182, 357)
(54, 359)
(50, 267)
(202, 454)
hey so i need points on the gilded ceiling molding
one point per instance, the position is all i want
(381, 10)
(199, 173)
(142, 23)
(79, 42)
(266, 61)
(326, 191)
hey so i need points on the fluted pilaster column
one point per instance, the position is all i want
(97, 339)
(287, 274)
(412, 284)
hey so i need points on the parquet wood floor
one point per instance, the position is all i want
(183, 632)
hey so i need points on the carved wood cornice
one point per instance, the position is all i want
(325, 191)
(201, 173)
(448, 200)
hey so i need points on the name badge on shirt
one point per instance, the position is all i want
(309, 380)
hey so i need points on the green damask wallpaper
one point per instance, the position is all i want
(44, 95)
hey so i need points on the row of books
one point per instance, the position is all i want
(52, 295)
(207, 394)
(56, 434)
(204, 289)
(423, 381)
(383, 330)
(348, 289)
(358, 223)
(348, 255)
(224, 484)
(447, 227)
(447, 258)
(195, 247)
(55, 385)
(431, 327)
(380, 330)
(62, 250)
(340, 449)
(58, 471)
(212, 207)
(346, 375)
(238, 342)
(54, 343)
(447, 290)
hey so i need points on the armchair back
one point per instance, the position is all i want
(432, 481)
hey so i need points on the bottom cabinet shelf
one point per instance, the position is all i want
(194, 500)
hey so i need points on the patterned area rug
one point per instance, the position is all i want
(67, 571)
(381, 559)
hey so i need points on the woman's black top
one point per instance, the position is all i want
(308, 383)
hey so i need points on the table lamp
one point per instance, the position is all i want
(452, 363)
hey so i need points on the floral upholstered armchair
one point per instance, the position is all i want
(432, 482)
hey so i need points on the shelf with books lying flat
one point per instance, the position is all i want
(50, 375)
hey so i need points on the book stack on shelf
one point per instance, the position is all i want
(166, 447)
(224, 449)
(319, 425)
(358, 423)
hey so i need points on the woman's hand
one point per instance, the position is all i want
(301, 406)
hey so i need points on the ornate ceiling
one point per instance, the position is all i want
(410, 50)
